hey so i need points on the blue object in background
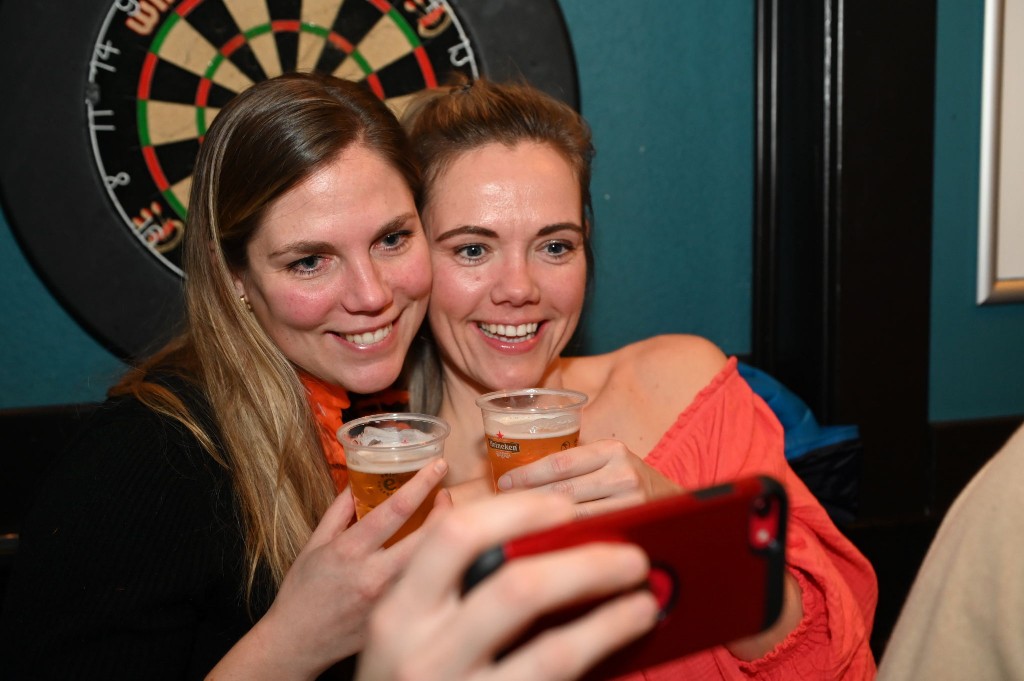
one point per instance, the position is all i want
(827, 458)
(803, 433)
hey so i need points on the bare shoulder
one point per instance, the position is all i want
(671, 361)
(653, 379)
(639, 390)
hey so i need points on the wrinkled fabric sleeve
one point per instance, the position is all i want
(729, 432)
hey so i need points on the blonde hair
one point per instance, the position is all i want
(447, 122)
(265, 141)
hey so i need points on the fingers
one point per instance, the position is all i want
(568, 651)
(380, 524)
(526, 588)
(561, 465)
(435, 572)
(599, 470)
(334, 521)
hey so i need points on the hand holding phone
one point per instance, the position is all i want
(717, 566)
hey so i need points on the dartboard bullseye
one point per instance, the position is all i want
(118, 95)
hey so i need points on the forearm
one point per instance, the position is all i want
(261, 654)
(763, 643)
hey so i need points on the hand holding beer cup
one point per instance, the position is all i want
(384, 451)
(522, 426)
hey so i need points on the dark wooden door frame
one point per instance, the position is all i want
(842, 228)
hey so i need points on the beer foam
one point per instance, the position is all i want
(527, 426)
(391, 437)
(368, 463)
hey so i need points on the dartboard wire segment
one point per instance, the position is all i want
(189, 58)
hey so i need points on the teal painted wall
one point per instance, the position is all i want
(975, 371)
(667, 86)
(45, 357)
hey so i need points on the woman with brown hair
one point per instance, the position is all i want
(506, 208)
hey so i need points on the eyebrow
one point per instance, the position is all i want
(309, 246)
(476, 230)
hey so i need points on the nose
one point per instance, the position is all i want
(365, 289)
(517, 284)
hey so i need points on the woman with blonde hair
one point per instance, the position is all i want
(506, 208)
(196, 521)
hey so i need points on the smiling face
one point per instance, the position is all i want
(509, 267)
(338, 272)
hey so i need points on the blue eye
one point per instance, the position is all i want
(471, 251)
(308, 264)
(558, 248)
(395, 240)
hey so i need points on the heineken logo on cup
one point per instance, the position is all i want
(504, 446)
(522, 426)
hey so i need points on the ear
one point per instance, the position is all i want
(239, 284)
(236, 279)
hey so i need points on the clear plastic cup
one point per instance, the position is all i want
(383, 452)
(522, 426)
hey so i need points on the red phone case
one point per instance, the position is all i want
(717, 564)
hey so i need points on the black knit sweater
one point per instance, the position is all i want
(130, 565)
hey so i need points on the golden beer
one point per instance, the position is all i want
(385, 451)
(522, 426)
(371, 487)
(512, 451)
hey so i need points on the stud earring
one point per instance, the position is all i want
(245, 300)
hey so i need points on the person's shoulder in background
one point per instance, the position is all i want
(964, 616)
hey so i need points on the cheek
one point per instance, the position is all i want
(411, 276)
(456, 292)
(297, 309)
(569, 289)
(416, 282)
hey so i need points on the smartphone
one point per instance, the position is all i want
(717, 564)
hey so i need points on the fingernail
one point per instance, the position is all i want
(441, 466)
(505, 482)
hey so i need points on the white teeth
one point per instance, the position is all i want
(509, 333)
(370, 337)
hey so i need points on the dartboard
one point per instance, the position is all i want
(108, 102)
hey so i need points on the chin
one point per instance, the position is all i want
(370, 382)
(513, 382)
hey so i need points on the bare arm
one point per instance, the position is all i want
(319, 615)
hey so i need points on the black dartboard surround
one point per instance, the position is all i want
(107, 100)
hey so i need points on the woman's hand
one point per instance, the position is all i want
(425, 629)
(600, 476)
(320, 613)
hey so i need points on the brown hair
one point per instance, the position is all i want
(447, 122)
(264, 142)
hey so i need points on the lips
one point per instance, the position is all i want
(368, 337)
(509, 333)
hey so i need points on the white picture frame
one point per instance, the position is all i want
(1001, 181)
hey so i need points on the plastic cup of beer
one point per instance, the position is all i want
(522, 426)
(383, 452)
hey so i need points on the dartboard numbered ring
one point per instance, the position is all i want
(110, 100)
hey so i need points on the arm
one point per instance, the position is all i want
(730, 432)
(319, 615)
(425, 629)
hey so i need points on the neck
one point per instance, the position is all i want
(465, 449)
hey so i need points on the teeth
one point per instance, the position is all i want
(509, 333)
(370, 337)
